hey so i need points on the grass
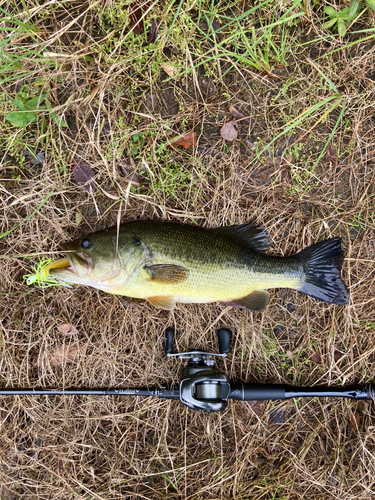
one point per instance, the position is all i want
(303, 167)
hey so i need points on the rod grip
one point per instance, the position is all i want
(257, 392)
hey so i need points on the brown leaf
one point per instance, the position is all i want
(238, 115)
(151, 101)
(213, 27)
(84, 176)
(208, 88)
(316, 358)
(361, 405)
(354, 419)
(187, 140)
(229, 131)
(256, 406)
(171, 71)
(277, 416)
(67, 329)
(337, 355)
(271, 166)
(331, 155)
(154, 31)
(263, 172)
(64, 354)
(136, 21)
(129, 172)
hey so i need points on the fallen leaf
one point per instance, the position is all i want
(271, 166)
(208, 88)
(136, 22)
(64, 354)
(172, 71)
(214, 27)
(361, 405)
(187, 140)
(34, 158)
(84, 176)
(263, 172)
(61, 355)
(129, 172)
(67, 329)
(229, 131)
(78, 218)
(354, 419)
(256, 406)
(337, 355)
(154, 31)
(238, 115)
(277, 416)
(316, 358)
(151, 101)
(331, 155)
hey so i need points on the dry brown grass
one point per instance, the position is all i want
(112, 448)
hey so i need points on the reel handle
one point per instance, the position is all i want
(223, 337)
(169, 334)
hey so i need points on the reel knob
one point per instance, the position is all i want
(223, 336)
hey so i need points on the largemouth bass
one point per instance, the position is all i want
(167, 262)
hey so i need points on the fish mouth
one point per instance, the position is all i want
(59, 264)
(70, 263)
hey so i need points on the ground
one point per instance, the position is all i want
(91, 94)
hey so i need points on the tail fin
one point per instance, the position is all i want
(322, 265)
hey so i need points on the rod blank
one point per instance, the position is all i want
(256, 392)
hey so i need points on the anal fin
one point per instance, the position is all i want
(162, 302)
(255, 301)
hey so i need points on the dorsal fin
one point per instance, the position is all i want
(254, 235)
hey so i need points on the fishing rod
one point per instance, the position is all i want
(204, 388)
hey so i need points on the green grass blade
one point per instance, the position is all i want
(28, 217)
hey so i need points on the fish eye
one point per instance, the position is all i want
(85, 243)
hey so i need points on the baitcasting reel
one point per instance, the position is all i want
(202, 386)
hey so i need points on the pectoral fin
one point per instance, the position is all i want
(255, 301)
(167, 273)
(167, 303)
